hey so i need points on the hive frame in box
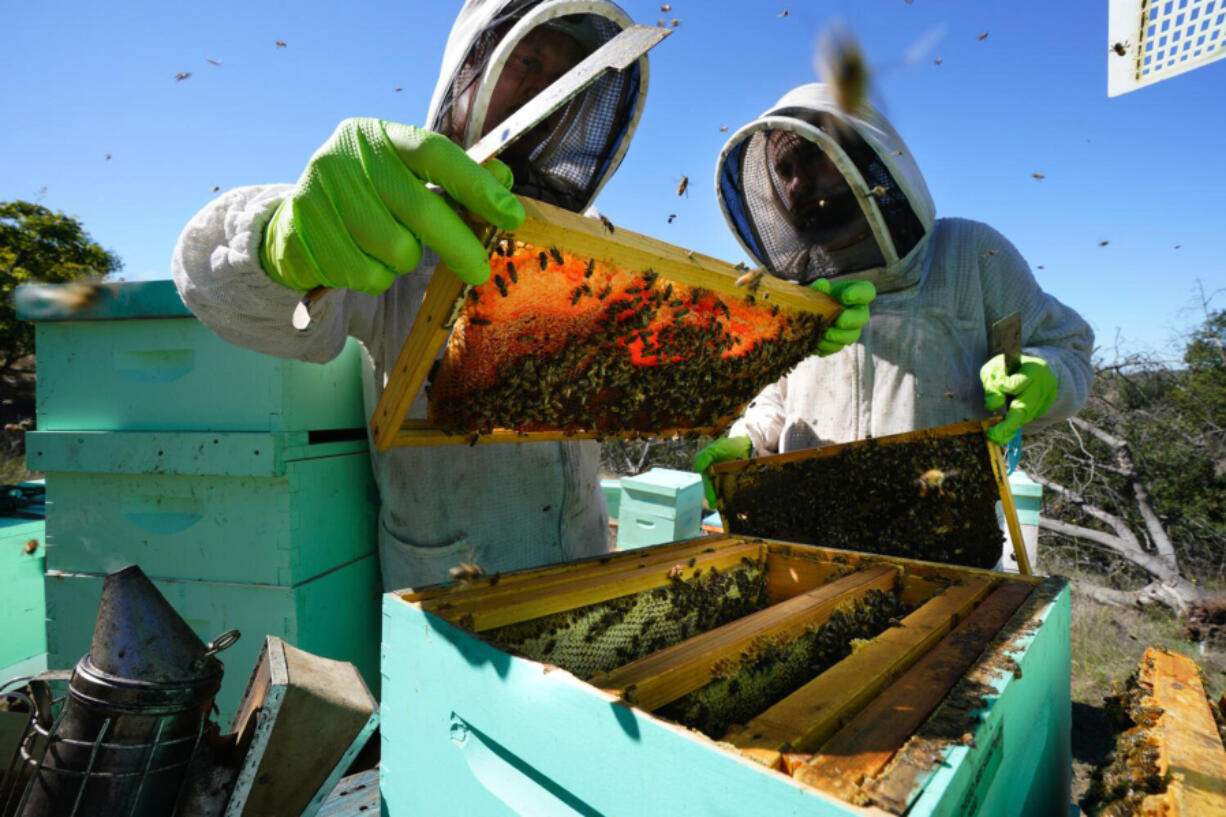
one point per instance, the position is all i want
(501, 732)
(549, 226)
(722, 473)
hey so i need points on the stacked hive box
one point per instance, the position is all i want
(239, 482)
(659, 506)
(23, 650)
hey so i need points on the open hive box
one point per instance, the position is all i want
(586, 330)
(927, 494)
(729, 675)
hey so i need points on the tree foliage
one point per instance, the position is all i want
(39, 245)
(1138, 479)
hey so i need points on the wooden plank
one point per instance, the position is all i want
(546, 225)
(917, 590)
(789, 576)
(666, 675)
(935, 433)
(415, 595)
(424, 432)
(809, 716)
(912, 567)
(479, 614)
(1190, 748)
(421, 348)
(1001, 473)
(863, 747)
(514, 584)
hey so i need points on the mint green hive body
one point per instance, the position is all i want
(22, 609)
(469, 729)
(239, 482)
(658, 506)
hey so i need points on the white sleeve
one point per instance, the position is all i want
(1050, 330)
(216, 267)
(763, 419)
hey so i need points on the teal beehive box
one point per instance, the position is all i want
(260, 508)
(727, 676)
(136, 359)
(335, 616)
(658, 506)
(612, 490)
(22, 609)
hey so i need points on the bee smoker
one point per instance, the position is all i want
(118, 743)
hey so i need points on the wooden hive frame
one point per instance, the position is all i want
(725, 475)
(549, 226)
(838, 733)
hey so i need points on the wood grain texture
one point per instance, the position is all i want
(862, 748)
(810, 715)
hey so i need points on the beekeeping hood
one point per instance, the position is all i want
(900, 214)
(574, 161)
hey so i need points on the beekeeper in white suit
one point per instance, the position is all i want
(361, 220)
(836, 201)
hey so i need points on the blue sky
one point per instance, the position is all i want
(1144, 171)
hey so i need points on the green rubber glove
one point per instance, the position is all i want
(856, 296)
(361, 212)
(722, 450)
(1033, 388)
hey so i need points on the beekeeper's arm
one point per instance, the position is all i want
(1055, 377)
(357, 218)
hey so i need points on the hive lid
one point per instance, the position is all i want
(588, 330)
(929, 494)
(662, 482)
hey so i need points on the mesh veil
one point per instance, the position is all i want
(568, 166)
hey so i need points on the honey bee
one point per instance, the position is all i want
(479, 321)
(1103, 243)
(675, 571)
(666, 8)
(543, 259)
(783, 13)
(557, 256)
(212, 61)
(1177, 246)
(934, 479)
(591, 266)
(989, 253)
(608, 225)
(466, 572)
(182, 75)
(1038, 176)
(215, 188)
(75, 295)
(280, 44)
(751, 279)
(676, 22)
(671, 216)
(841, 65)
(878, 191)
(30, 546)
(1121, 48)
(683, 185)
(511, 271)
(983, 35)
(398, 88)
(108, 157)
(898, 152)
(937, 60)
(1041, 266)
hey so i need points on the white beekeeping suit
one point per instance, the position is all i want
(504, 506)
(941, 283)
